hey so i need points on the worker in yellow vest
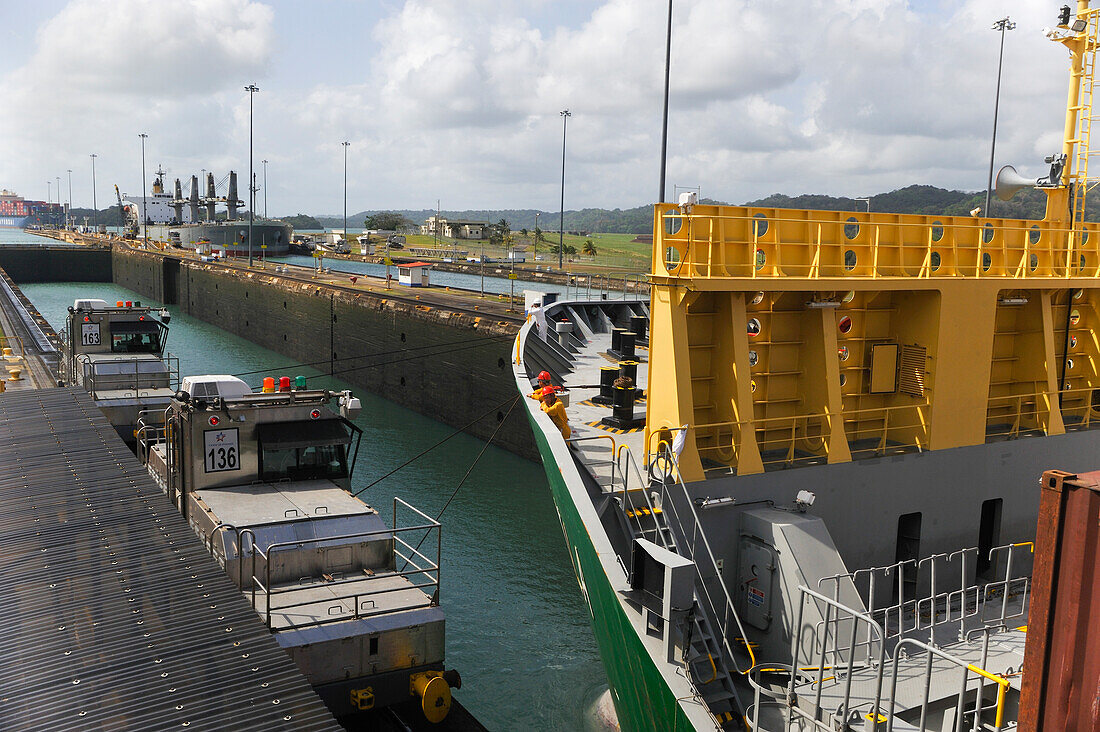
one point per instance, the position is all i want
(555, 410)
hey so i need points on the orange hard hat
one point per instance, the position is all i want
(548, 390)
(544, 376)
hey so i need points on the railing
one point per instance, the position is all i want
(950, 599)
(769, 243)
(135, 380)
(1009, 415)
(717, 599)
(366, 587)
(967, 669)
(834, 652)
(779, 439)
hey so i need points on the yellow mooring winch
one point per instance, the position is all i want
(434, 693)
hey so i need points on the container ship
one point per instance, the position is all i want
(16, 212)
(799, 484)
(192, 223)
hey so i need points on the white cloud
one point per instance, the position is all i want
(460, 100)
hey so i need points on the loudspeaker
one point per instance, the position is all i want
(1009, 182)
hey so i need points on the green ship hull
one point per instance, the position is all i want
(643, 700)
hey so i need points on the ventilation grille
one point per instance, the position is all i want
(911, 377)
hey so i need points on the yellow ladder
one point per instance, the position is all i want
(1085, 119)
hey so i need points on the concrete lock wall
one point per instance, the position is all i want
(452, 367)
(56, 264)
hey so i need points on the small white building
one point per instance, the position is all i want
(453, 228)
(413, 274)
(517, 254)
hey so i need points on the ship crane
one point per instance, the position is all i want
(127, 220)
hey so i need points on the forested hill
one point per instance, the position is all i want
(918, 199)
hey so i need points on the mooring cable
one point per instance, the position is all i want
(424, 452)
(469, 470)
(308, 364)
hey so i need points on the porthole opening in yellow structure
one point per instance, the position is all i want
(849, 296)
(987, 261)
(845, 324)
(754, 328)
(849, 260)
(753, 358)
(757, 299)
(759, 224)
(851, 228)
(1033, 262)
(842, 353)
(935, 260)
(673, 222)
(937, 231)
(987, 233)
(761, 258)
(1033, 235)
(1074, 317)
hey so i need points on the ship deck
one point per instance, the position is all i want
(596, 443)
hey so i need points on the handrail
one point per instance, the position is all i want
(731, 610)
(969, 247)
(267, 588)
(796, 637)
(931, 650)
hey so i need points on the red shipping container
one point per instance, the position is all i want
(1061, 681)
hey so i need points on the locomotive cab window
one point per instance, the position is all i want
(136, 337)
(303, 450)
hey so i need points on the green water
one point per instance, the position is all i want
(517, 627)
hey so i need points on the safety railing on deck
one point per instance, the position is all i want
(664, 471)
(828, 654)
(1010, 415)
(769, 243)
(129, 375)
(605, 286)
(939, 590)
(897, 428)
(420, 571)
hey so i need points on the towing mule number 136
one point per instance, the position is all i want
(221, 451)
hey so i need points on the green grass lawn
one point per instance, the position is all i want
(613, 251)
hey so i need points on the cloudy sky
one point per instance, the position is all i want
(458, 100)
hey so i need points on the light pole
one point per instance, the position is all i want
(664, 118)
(865, 200)
(1002, 25)
(346, 145)
(251, 89)
(144, 218)
(59, 203)
(49, 199)
(565, 115)
(95, 209)
(265, 187)
(537, 232)
(69, 210)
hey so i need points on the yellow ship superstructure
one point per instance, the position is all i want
(789, 337)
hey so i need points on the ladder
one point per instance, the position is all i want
(1085, 118)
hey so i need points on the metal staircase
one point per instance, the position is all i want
(706, 653)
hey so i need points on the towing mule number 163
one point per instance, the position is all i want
(221, 450)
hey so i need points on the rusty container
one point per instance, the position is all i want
(1061, 680)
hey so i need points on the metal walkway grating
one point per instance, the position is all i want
(113, 615)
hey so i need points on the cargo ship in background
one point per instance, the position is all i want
(192, 222)
(16, 212)
(801, 481)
